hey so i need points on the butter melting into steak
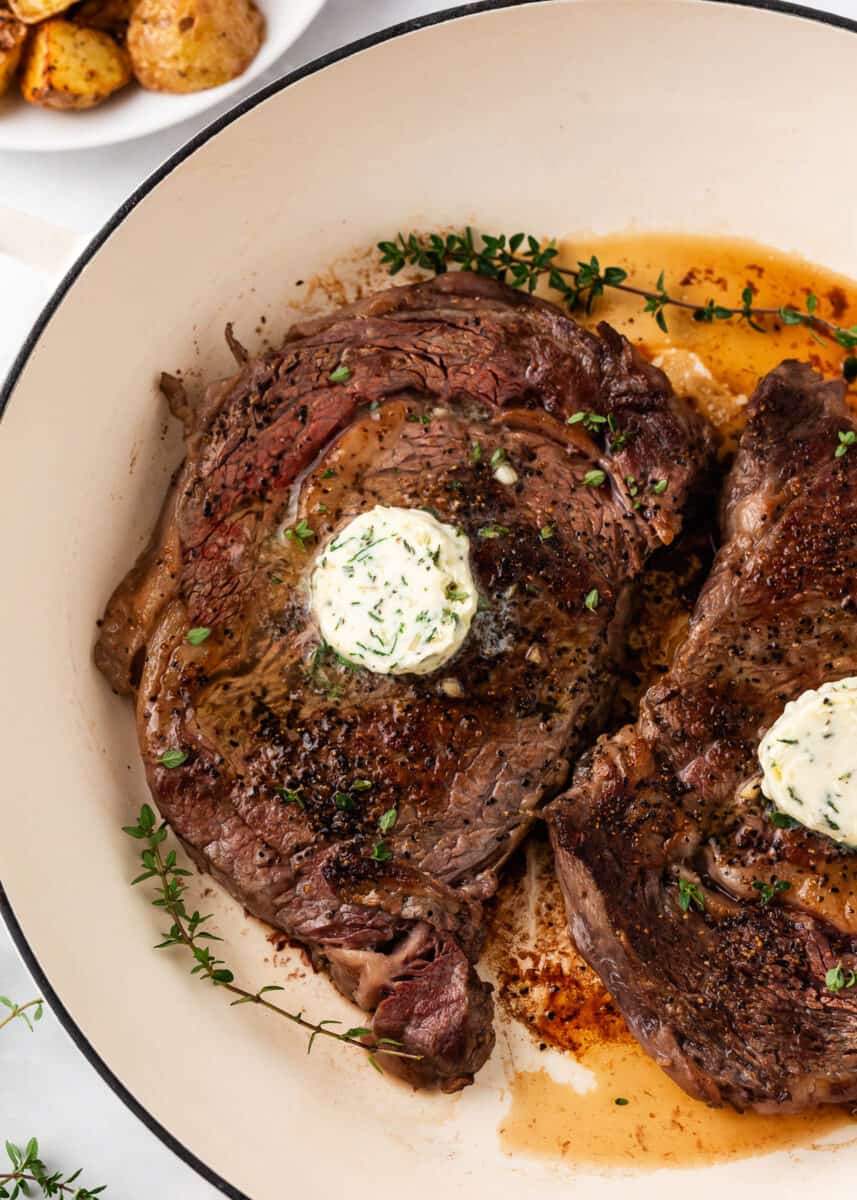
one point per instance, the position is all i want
(409, 398)
(712, 920)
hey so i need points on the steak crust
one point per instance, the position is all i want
(731, 1001)
(275, 727)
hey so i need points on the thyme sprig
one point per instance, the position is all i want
(21, 1011)
(522, 260)
(690, 895)
(187, 930)
(28, 1169)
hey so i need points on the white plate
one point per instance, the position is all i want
(134, 112)
(557, 117)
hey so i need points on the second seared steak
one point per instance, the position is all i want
(712, 924)
(409, 398)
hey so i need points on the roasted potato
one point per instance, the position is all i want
(67, 67)
(110, 16)
(31, 11)
(190, 45)
(13, 34)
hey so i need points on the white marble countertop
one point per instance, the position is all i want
(47, 1089)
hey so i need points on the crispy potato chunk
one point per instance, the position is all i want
(190, 45)
(66, 67)
(110, 16)
(31, 11)
(13, 34)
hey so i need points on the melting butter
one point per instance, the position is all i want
(809, 761)
(393, 591)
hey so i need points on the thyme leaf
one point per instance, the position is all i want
(690, 896)
(838, 978)
(301, 532)
(767, 891)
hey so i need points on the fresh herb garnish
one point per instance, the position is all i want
(656, 302)
(690, 895)
(290, 795)
(621, 1101)
(455, 593)
(594, 422)
(837, 978)
(547, 532)
(476, 453)
(197, 635)
(344, 801)
(659, 487)
(781, 820)
(28, 1169)
(388, 820)
(590, 420)
(493, 531)
(497, 457)
(847, 437)
(187, 930)
(522, 260)
(361, 785)
(380, 852)
(173, 758)
(363, 552)
(594, 478)
(328, 473)
(616, 439)
(340, 374)
(767, 891)
(302, 532)
(591, 601)
(21, 1011)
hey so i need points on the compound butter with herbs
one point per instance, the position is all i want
(393, 591)
(809, 761)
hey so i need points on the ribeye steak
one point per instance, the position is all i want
(386, 402)
(711, 923)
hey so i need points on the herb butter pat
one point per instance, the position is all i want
(809, 761)
(392, 591)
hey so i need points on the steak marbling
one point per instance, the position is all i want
(433, 371)
(731, 1001)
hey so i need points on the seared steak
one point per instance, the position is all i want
(711, 924)
(292, 754)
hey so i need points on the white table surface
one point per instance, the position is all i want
(47, 1089)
